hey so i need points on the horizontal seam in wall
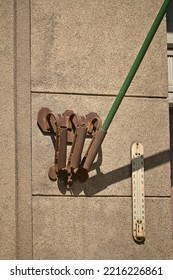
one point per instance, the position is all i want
(97, 95)
(95, 196)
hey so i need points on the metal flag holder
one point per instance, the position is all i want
(70, 129)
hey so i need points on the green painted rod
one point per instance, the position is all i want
(135, 66)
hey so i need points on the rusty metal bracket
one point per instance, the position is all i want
(72, 129)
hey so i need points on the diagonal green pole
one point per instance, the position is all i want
(102, 132)
(135, 66)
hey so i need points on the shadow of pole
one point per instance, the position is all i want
(101, 181)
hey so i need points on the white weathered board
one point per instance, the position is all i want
(138, 196)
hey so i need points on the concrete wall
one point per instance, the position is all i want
(15, 145)
(7, 174)
(81, 52)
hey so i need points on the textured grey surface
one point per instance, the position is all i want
(23, 128)
(99, 228)
(138, 119)
(7, 138)
(83, 47)
(89, 46)
(15, 139)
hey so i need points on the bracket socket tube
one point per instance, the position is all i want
(80, 139)
(94, 148)
(61, 149)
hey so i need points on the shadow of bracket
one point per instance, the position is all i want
(100, 181)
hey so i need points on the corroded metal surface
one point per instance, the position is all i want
(72, 129)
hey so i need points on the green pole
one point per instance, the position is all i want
(135, 66)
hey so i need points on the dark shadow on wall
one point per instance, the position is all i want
(101, 181)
